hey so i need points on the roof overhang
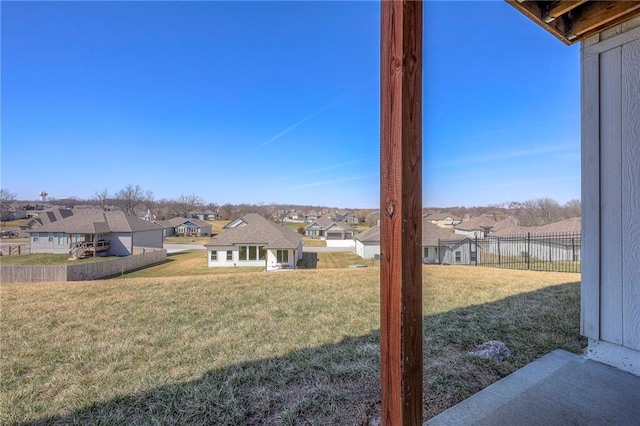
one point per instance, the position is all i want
(574, 20)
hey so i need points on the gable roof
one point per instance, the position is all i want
(326, 222)
(476, 223)
(90, 221)
(256, 229)
(431, 233)
(370, 235)
(442, 215)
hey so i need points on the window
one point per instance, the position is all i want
(36, 237)
(60, 238)
(261, 253)
(283, 256)
(253, 253)
(229, 255)
(214, 255)
(425, 252)
(474, 256)
(242, 250)
(50, 237)
(458, 256)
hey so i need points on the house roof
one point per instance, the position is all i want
(441, 215)
(431, 233)
(476, 223)
(177, 221)
(506, 227)
(573, 21)
(370, 235)
(258, 230)
(566, 225)
(326, 222)
(90, 221)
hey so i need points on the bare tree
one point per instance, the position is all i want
(6, 198)
(186, 203)
(130, 197)
(101, 197)
(572, 208)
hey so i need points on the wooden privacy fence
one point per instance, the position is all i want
(559, 252)
(13, 249)
(83, 271)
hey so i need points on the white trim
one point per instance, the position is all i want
(621, 357)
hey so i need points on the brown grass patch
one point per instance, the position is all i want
(258, 348)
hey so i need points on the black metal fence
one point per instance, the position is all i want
(560, 252)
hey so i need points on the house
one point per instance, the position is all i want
(254, 241)
(326, 228)
(440, 245)
(185, 227)
(368, 243)
(444, 219)
(92, 230)
(353, 219)
(209, 215)
(12, 214)
(476, 227)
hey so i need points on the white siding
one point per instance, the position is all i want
(367, 249)
(611, 197)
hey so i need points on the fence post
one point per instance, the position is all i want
(528, 250)
(477, 251)
(499, 259)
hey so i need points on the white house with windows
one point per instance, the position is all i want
(254, 241)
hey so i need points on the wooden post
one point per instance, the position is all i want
(401, 212)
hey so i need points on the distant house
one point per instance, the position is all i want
(185, 227)
(439, 245)
(353, 219)
(432, 235)
(368, 243)
(444, 219)
(114, 233)
(254, 241)
(326, 228)
(12, 214)
(476, 227)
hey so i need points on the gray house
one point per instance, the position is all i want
(93, 231)
(191, 227)
(326, 228)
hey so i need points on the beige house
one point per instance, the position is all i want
(444, 219)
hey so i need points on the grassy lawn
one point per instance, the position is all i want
(217, 225)
(187, 240)
(47, 259)
(186, 263)
(313, 242)
(284, 348)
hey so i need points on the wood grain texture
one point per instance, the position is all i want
(401, 207)
(610, 197)
(631, 192)
(590, 289)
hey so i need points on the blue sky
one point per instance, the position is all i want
(260, 102)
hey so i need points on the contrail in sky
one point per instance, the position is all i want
(308, 117)
(326, 168)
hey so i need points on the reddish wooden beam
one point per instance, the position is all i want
(401, 212)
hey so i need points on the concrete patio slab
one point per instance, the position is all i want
(560, 388)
